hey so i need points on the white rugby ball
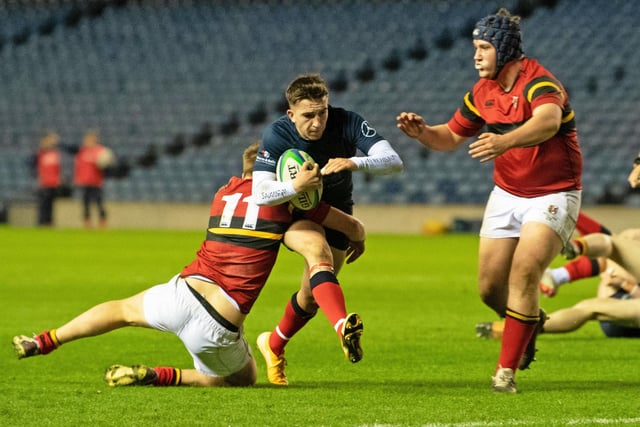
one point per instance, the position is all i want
(287, 169)
(105, 158)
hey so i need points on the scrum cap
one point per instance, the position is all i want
(503, 32)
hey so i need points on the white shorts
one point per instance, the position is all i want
(216, 350)
(505, 213)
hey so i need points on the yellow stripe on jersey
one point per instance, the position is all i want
(568, 117)
(243, 232)
(469, 104)
(542, 84)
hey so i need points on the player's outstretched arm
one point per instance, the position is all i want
(437, 137)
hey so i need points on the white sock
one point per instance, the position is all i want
(560, 276)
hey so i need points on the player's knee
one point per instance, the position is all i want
(319, 250)
(245, 377)
(493, 300)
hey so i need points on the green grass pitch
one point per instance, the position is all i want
(422, 364)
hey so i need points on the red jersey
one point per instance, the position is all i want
(549, 167)
(87, 172)
(49, 168)
(242, 241)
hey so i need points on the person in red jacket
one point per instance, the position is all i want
(48, 167)
(89, 175)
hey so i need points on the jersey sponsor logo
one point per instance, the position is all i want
(367, 130)
(265, 158)
(272, 194)
(265, 154)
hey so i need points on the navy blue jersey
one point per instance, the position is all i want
(346, 133)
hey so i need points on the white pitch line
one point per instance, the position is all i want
(507, 423)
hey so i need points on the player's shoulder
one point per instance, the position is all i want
(281, 122)
(538, 80)
(343, 120)
(532, 69)
(236, 185)
(281, 128)
(480, 89)
(532, 64)
(342, 114)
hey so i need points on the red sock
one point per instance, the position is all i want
(518, 329)
(588, 225)
(292, 321)
(582, 268)
(167, 376)
(47, 341)
(328, 295)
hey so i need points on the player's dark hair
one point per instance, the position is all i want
(308, 86)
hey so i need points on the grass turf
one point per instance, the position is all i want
(422, 366)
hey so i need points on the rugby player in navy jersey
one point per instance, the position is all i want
(341, 142)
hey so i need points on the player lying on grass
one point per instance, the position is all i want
(205, 305)
(617, 308)
(579, 268)
(583, 267)
(623, 248)
(617, 305)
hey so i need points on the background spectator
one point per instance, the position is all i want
(90, 162)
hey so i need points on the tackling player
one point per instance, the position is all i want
(206, 304)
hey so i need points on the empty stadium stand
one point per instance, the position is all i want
(145, 72)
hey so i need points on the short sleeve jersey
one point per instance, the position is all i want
(346, 133)
(552, 166)
(242, 242)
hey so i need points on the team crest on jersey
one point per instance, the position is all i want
(367, 130)
(265, 157)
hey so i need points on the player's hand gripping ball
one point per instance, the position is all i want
(288, 166)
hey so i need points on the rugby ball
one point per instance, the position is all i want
(287, 169)
(105, 158)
